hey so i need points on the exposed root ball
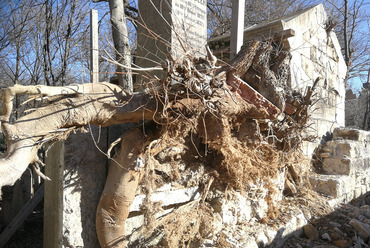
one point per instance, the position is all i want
(209, 131)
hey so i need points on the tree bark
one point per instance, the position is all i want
(119, 191)
(121, 43)
(101, 104)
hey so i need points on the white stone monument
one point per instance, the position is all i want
(169, 27)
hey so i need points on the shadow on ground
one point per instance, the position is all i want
(346, 227)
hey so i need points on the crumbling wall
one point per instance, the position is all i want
(316, 54)
(83, 174)
(344, 166)
(80, 181)
(227, 168)
(238, 217)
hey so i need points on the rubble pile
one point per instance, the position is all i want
(346, 227)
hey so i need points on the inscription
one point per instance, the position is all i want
(190, 22)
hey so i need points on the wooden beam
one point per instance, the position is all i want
(21, 217)
(237, 27)
(94, 47)
(53, 202)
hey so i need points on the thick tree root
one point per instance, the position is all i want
(64, 109)
(119, 191)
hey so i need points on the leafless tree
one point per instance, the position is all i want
(42, 48)
(352, 28)
(62, 22)
(16, 30)
(256, 11)
(119, 10)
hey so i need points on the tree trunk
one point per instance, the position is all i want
(67, 45)
(48, 74)
(121, 43)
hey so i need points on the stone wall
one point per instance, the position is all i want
(72, 196)
(345, 166)
(78, 169)
(238, 217)
(316, 54)
(85, 171)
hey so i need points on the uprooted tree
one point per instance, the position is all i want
(239, 133)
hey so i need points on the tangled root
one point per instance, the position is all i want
(204, 124)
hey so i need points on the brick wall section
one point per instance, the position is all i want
(345, 164)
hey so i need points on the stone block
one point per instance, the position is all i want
(181, 26)
(134, 223)
(83, 182)
(343, 166)
(332, 185)
(351, 134)
(353, 149)
(168, 198)
(251, 243)
(350, 196)
(294, 225)
(278, 235)
(363, 229)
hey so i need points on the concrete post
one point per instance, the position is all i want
(94, 47)
(237, 27)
